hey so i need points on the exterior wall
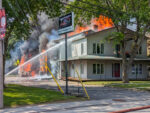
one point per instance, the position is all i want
(109, 49)
(108, 70)
(144, 74)
(69, 46)
(71, 69)
(98, 38)
(76, 47)
(144, 51)
(74, 50)
(62, 50)
(77, 66)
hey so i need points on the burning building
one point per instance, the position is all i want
(96, 60)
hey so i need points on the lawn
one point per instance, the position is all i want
(15, 95)
(133, 84)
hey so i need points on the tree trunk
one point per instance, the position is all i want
(4, 58)
(125, 78)
(124, 65)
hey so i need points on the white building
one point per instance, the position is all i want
(96, 60)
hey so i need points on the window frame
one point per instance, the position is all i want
(139, 52)
(98, 48)
(137, 69)
(100, 69)
(94, 48)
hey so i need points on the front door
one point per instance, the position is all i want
(116, 70)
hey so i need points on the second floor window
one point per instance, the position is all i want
(139, 52)
(98, 48)
(94, 48)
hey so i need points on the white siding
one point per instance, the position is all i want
(76, 47)
(109, 49)
(73, 72)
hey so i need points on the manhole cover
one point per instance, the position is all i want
(119, 100)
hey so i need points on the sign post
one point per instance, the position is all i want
(66, 25)
(2, 35)
(66, 63)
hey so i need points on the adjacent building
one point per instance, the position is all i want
(148, 46)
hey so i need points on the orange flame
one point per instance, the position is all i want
(26, 69)
(33, 73)
(43, 60)
(102, 23)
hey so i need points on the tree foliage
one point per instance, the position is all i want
(124, 13)
(20, 13)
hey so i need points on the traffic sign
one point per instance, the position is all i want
(2, 23)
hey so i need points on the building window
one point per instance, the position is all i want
(82, 68)
(82, 48)
(102, 68)
(117, 50)
(98, 48)
(98, 68)
(94, 48)
(139, 52)
(136, 69)
(102, 48)
(94, 68)
(140, 68)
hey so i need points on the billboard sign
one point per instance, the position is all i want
(66, 23)
(2, 23)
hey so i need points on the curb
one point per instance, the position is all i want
(131, 109)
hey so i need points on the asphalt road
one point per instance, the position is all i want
(103, 99)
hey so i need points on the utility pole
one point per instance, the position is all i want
(1, 67)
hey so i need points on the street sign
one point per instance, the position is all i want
(2, 23)
(66, 23)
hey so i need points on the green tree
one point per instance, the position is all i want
(19, 15)
(122, 13)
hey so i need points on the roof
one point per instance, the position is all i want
(83, 34)
(95, 57)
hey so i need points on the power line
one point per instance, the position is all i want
(49, 11)
(18, 5)
(93, 12)
(92, 4)
(16, 15)
(97, 6)
(77, 7)
(30, 12)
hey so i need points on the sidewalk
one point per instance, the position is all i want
(101, 106)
